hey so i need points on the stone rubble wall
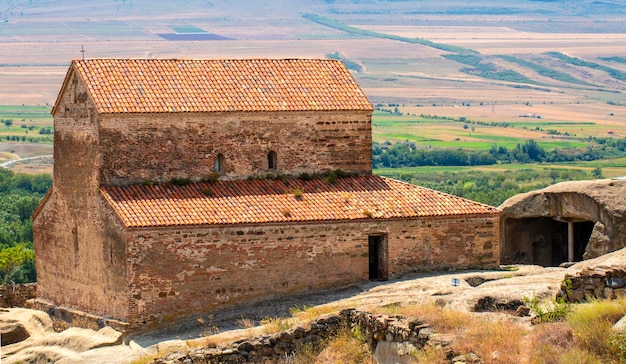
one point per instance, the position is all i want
(69, 317)
(270, 348)
(599, 282)
(16, 295)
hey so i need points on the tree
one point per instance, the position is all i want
(12, 258)
(597, 172)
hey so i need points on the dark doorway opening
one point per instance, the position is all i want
(582, 233)
(377, 252)
(544, 240)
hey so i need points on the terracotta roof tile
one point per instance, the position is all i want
(175, 85)
(261, 201)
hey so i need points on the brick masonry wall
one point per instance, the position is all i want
(180, 271)
(158, 147)
(16, 295)
(81, 257)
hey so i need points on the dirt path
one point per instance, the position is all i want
(8, 163)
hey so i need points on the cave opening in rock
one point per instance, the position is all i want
(545, 241)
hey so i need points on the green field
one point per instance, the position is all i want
(451, 133)
(18, 113)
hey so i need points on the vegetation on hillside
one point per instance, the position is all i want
(20, 195)
(335, 24)
(617, 74)
(491, 187)
(545, 71)
(480, 67)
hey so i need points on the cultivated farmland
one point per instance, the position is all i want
(550, 71)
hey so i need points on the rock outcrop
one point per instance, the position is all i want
(534, 225)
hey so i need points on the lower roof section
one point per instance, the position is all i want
(282, 200)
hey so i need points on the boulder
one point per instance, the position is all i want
(12, 332)
(620, 326)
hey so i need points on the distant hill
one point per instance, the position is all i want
(127, 18)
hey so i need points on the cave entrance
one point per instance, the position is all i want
(545, 241)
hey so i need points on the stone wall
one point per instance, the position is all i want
(376, 329)
(179, 271)
(69, 317)
(81, 254)
(16, 295)
(601, 283)
(159, 147)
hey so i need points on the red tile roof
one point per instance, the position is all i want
(175, 85)
(261, 201)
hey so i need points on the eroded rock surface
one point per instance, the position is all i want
(534, 225)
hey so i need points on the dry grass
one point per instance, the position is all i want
(493, 341)
(273, 325)
(592, 327)
(440, 318)
(550, 342)
(305, 314)
(149, 359)
(345, 348)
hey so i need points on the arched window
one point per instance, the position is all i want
(271, 160)
(218, 164)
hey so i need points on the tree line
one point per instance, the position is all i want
(408, 154)
(20, 194)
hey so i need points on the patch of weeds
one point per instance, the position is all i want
(245, 323)
(440, 318)
(618, 345)
(295, 310)
(208, 192)
(368, 213)
(553, 311)
(358, 334)
(214, 176)
(331, 177)
(179, 181)
(346, 347)
(592, 325)
(306, 176)
(286, 212)
(298, 193)
(391, 309)
(493, 341)
(208, 326)
(275, 324)
(550, 342)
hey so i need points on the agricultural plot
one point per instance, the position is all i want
(469, 134)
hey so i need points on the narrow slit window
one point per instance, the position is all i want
(218, 164)
(271, 160)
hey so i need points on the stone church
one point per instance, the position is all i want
(182, 186)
